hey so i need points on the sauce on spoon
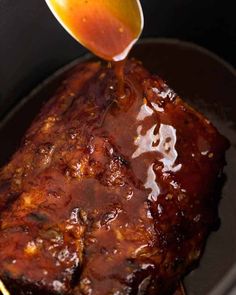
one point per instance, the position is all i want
(108, 28)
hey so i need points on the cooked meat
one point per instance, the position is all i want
(109, 195)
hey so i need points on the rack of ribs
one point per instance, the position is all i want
(109, 195)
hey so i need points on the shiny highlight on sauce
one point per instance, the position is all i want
(3, 289)
(107, 28)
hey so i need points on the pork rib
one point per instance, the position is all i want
(109, 195)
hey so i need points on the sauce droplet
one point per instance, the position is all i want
(108, 28)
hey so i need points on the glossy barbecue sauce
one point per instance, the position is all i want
(107, 28)
(115, 175)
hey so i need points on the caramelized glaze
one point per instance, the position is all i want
(105, 197)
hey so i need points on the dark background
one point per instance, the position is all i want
(33, 44)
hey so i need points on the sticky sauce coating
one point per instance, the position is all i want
(109, 195)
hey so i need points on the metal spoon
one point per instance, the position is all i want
(108, 28)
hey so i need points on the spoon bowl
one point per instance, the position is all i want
(107, 28)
